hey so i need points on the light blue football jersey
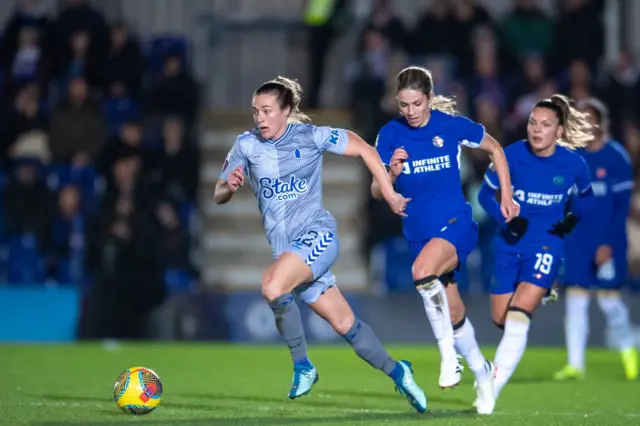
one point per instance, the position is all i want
(286, 177)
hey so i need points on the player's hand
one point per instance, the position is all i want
(397, 162)
(564, 226)
(236, 179)
(509, 208)
(516, 228)
(603, 254)
(552, 296)
(398, 204)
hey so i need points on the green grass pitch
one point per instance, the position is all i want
(247, 385)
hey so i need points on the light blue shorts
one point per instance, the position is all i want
(319, 249)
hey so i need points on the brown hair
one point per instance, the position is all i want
(577, 130)
(418, 78)
(289, 94)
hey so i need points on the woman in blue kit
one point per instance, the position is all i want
(421, 150)
(545, 170)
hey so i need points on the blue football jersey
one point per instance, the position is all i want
(542, 186)
(431, 174)
(604, 217)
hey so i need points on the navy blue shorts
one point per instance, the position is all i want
(461, 233)
(539, 267)
(580, 270)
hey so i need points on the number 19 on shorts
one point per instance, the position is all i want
(544, 261)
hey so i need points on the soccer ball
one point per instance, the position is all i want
(138, 390)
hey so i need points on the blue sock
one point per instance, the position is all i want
(397, 372)
(304, 362)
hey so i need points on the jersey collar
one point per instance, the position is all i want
(284, 135)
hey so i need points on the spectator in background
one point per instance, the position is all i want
(622, 82)
(486, 82)
(578, 83)
(368, 75)
(325, 21)
(579, 33)
(466, 16)
(28, 209)
(526, 29)
(433, 34)
(78, 16)
(124, 63)
(28, 63)
(78, 129)
(28, 13)
(68, 240)
(173, 246)
(385, 22)
(26, 115)
(177, 164)
(176, 93)
(123, 258)
(528, 79)
(79, 63)
(127, 144)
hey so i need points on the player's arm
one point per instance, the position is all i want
(499, 160)
(487, 199)
(473, 135)
(232, 175)
(393, 162)
(357, 147)
(347, 143)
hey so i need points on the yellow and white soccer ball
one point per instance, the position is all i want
(138, 390)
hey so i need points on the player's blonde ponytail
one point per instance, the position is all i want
(418, 78)
(289, 93)
(577, 129)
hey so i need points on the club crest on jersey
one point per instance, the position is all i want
(601, 173)
(283, 190)
(438, 142)
(558, 180)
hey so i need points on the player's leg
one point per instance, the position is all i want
(436, 258)
(579, 274)
(327, 301)
(467, 346)
(464, 236)
(616, 315)
(542, 268)
(278, 281)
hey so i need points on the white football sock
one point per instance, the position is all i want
(511, 347)
(467, 346)
(436, 306)
(576, 327)
(616, 315)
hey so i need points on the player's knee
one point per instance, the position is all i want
(518, 314)
(270, 288)
(575, 290)
(608, 294)
(342, 324)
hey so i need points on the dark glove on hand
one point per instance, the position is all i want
(516, 229)
(564, 226)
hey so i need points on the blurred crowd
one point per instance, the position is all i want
(496, 70)
(98, 167)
